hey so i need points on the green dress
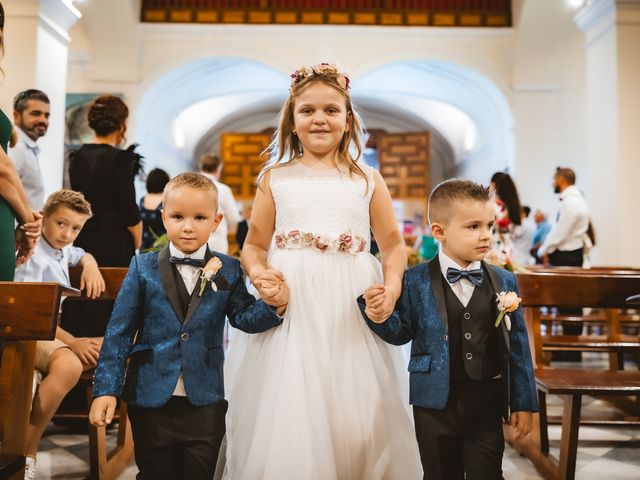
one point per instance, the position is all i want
(7, 217)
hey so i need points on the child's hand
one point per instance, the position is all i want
(521, 422)
(102, 410)
(92, 280)
(379, 300)
(87, 350)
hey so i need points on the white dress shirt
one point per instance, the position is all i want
(49, 264)
(190, 276)
(25, 158)
(463, 288)
(218, 241)
(570, 230)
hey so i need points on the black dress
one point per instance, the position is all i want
(152, 225)
(105, 175)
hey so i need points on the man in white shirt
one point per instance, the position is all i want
(567, 241)
(568, 238)
(211, 167)
(31, 116)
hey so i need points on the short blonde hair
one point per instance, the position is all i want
(191, 180)
(67, 198)
(445, 198)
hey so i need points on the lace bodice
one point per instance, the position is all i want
(323, 203)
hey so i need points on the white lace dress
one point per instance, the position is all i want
(320, 397)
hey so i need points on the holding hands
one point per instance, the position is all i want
(380, 301)
(26, 236)
(273, 288)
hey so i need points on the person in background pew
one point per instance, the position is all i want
(174, 304)
(469, 365)
(63, 359)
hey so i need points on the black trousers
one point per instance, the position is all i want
(466, 436)
(568, 258)
(177, 440)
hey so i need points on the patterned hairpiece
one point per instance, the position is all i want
(320, 69)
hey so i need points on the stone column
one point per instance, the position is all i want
(612, 30)
(36, 43)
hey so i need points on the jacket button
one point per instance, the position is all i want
(445, 337)
(467, 316)
(468, 356)
(184, 336)
(467, 336)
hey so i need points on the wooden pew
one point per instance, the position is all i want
(569, 290)
(106, 465)
(28, 312)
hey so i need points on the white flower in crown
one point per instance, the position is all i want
(208, 272)
(508, 302)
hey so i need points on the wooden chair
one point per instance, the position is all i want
(28, 312)
(106, 465)
(571, 290)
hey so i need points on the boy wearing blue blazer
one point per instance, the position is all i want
(166, 332)
(470, 361)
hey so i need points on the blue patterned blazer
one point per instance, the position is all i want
(421, 316)
(168, 342)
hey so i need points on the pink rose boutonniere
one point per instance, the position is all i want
(208, 272)
(508, 302)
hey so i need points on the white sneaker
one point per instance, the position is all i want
(29, 468)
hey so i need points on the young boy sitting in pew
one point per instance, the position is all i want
(63, 359)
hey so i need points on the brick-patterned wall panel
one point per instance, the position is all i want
(405, 164)
(240, 153)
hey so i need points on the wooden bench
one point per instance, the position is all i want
(570, 290)
(28, 312)
(106, 465)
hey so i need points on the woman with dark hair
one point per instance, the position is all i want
(13, 201)
(104, 173)
(508, 219)
(151, 207)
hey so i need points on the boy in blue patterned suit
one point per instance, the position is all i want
(465, 373)
(174, 303)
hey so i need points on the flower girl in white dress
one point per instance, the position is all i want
(321, 397)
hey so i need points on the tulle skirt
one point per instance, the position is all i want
(320, 396)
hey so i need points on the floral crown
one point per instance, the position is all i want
(324, 69)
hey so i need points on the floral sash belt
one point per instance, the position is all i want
(345, 243)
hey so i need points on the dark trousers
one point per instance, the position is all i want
(177, 440)
(466, 436)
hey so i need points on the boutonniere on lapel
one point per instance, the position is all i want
(508, 302)
(208, 272)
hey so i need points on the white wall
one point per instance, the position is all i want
(36, 44)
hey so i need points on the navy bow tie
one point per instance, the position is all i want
(474, 276)
(194, 262)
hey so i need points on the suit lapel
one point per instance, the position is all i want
(497, 286)
(435, 275)
(168, 280)
(195, 297)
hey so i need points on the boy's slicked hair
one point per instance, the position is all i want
(444, 197)
(191, 180)
(67, 198)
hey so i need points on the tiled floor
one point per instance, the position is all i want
(603, 453)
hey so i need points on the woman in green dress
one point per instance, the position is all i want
(13, 202)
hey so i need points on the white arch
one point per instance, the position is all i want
(416, 92)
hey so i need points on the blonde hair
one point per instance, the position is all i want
(191, 180)
(67, 198)
(286, 146)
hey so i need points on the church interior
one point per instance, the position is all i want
(466, 89)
